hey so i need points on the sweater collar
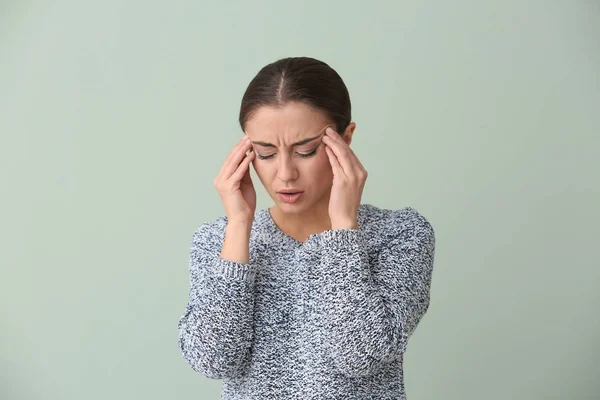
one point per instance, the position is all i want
(277, 234)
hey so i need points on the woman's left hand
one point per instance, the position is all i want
(349, 177)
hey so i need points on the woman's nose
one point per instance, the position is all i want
(286, 169)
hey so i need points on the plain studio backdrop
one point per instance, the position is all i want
(116, 116)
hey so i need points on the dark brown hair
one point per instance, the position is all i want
(301, 79)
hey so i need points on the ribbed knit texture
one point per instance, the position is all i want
(328, 318)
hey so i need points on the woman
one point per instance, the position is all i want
(317, 296)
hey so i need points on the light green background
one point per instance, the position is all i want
(115, 116)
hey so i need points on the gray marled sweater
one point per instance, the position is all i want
(328, 318)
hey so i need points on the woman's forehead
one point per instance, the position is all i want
(285, 125)
(282, 141)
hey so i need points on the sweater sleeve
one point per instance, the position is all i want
(372, 310)
(216, 328)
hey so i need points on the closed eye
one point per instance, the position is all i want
(303, 155)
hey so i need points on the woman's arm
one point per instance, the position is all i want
(236, 246)
(373, 309)
(215, 331)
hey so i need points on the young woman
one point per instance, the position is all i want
(317, 296)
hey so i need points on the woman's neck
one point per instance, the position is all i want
(300, 226)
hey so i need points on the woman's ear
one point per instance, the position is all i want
(347, 135)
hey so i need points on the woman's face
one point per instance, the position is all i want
(282, 164)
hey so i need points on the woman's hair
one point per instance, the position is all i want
(298, 79)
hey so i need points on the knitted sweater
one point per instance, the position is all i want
(328, 318)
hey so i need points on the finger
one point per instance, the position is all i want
(235, 158)
(227, 161)
(335, 165)
(353, 165)
(341, 150)
(356, 159)
(247, 178)
(242, 168)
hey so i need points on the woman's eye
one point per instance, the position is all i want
(308, 154)
(300, 154)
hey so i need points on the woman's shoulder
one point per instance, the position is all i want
(405, 214)
(393, 223)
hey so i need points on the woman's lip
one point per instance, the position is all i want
(290, 198)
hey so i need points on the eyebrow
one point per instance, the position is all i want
(265, 144)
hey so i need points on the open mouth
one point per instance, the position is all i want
(290, 197)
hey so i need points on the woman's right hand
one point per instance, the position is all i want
(234, 184)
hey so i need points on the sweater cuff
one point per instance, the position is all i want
(338, 239)
(234, 270)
